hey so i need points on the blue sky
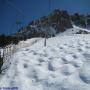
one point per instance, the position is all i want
(27, 10)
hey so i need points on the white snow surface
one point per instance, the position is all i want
(64, 64)
(77, 27)
(74, 30)
(1, 52)
(27, 43)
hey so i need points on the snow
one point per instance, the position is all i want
(1, 52)
(27, 43)
(85, 29)
(74, 30)
(64, 64)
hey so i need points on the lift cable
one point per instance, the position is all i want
(16, 8)
(19, 12)
(47, 25)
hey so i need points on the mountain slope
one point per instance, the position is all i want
(64, 64)
(75, 30)
(58, 20)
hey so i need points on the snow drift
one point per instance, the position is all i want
(62, 65)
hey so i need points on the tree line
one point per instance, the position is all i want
(6, 40)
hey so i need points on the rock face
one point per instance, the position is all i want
(82, 32)
(57, 18)
(81, 20)
(61, 19)
(55, 22)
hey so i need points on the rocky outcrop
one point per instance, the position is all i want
(61, 19)
(81, 20)
(58, 20)
(82, 32)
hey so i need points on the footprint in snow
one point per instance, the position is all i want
(61, 47)
(24, 54)
(77, 63)
(53, 65)
(86, 56)
(65, 44)
(67, 59)
(74, 56)
(27, 49)
(25, 66)
(85, 73)
(87, 47)
(45, 55)
(68, 69)
(41, 60)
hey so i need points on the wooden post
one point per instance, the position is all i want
(47, 25)
(45, 38)
(86, 21)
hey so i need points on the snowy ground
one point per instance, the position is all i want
(64, 64)
(74, 30)
(1, 52)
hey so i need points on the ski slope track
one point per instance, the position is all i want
(80, 28)
(74, 30)
(64, 64)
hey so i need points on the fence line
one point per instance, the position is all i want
(7, 52)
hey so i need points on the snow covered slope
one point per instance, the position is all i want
(64, 64)
(84, 29)
(74, 30)
(1, 52)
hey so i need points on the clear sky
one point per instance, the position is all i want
(27, 10)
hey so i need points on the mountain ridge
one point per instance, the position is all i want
(56, 22)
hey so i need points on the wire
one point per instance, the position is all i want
(19, 12)
(16, 8)
(49, 5)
